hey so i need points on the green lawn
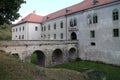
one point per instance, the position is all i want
(112, 72)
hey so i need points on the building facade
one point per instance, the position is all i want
(94, 23)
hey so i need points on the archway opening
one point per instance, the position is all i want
(73, 36)
(16, 55)
(57, 56)
(38, 58)
(72, 54)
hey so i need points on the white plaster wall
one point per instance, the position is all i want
(32, 33)
(74, 28)
(16, 34)
(107, 48)
(58, 30)
(29, 31)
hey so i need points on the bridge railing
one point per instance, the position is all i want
(35, 42)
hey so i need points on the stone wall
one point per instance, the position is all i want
(25, 48)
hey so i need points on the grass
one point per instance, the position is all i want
(14, 69)
(112, 72)
(5, 32)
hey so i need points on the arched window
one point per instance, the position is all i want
(75, 22)
(73, 36)
(115, 14)
(89, 18)
(71, 23)
(95, 18)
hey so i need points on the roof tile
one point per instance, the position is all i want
(31, 18)
(86, 4)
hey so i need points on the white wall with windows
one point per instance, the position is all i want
(34, 31)
(72, 26)
(19, 32)
(26, 31)
(100, 38)
(54, 29)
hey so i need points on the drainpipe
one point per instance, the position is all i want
(66, 27)
(27, 30)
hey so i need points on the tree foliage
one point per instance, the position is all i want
(9, 10)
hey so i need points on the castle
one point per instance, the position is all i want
(95, 24)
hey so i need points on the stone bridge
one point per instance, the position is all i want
(48, 52)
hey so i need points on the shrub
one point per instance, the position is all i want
(34, 58)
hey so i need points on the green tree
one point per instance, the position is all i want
(9, 10)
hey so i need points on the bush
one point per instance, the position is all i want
(34, 58)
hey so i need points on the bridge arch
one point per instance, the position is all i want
(57, 56)
(38, 57)
(72, 54)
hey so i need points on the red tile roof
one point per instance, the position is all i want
(86, 4)
(31, 18)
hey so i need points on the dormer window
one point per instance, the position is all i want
(95, 1)
(67, 10)
(47, 17)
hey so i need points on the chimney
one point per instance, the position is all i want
(34, 11)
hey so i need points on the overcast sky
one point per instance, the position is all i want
(44, 7)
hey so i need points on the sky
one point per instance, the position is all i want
(44, 7)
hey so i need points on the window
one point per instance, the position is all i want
(36, 28)
(93, 44)
(92, 34)
(19, 28)
(61, 35)
(44, 28)
(71, 23)
(115, 32)
(89, 18)
(44, 36)
(13, 30)
(23, 28)
(54, 25)
(115, 14)
(54, 36)
(19, 37)
(49, 27)
(75, 22)
(22, 36)
(41, 35)
(16, 29)
(61, 24)
(48, 36)
(95, 18)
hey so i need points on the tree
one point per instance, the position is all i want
(9, 10)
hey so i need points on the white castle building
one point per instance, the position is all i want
(94, 23)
